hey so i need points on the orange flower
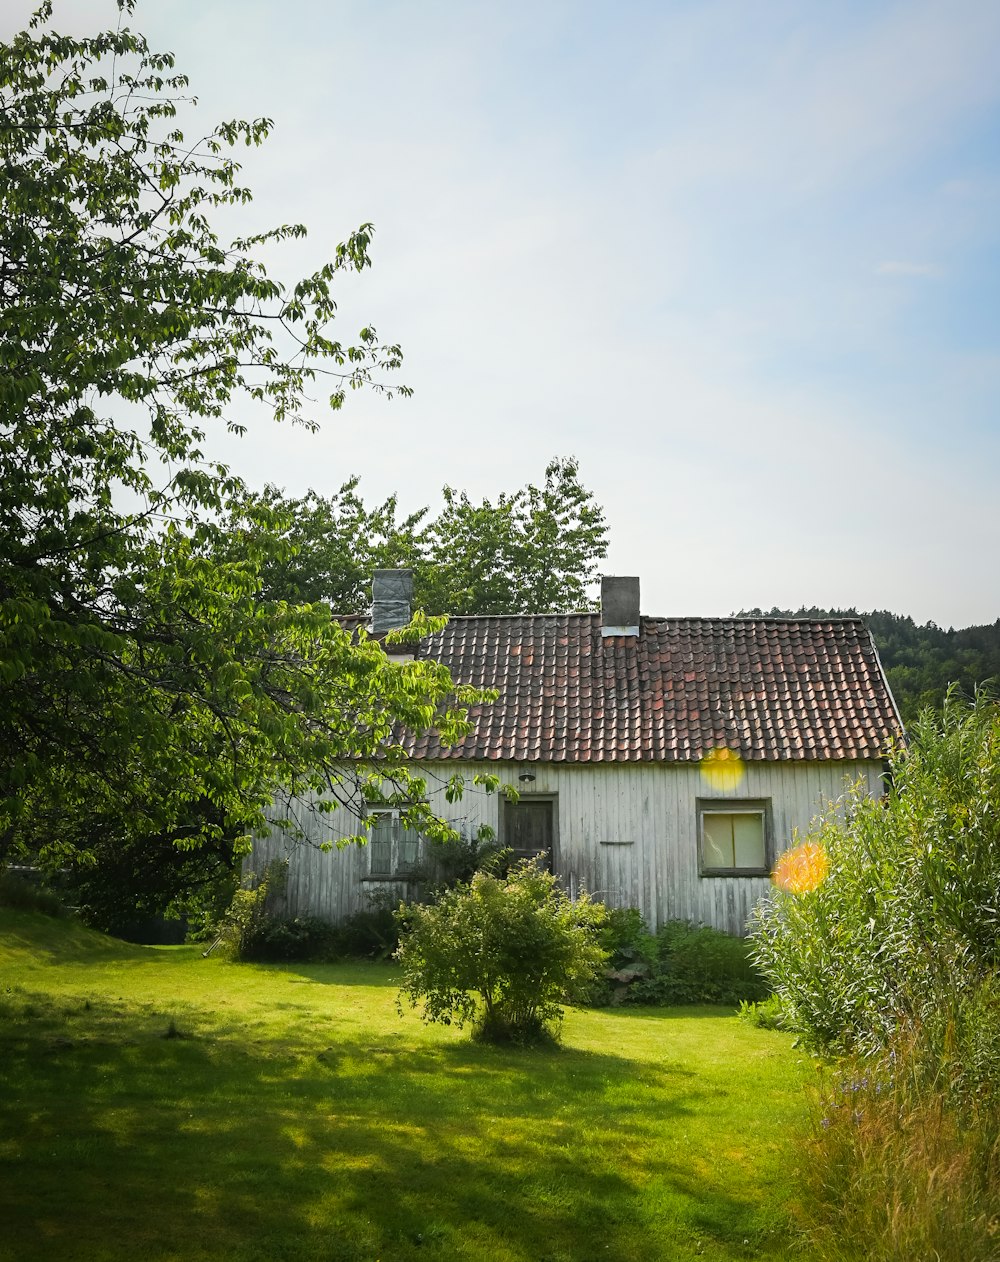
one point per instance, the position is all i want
(800, 870)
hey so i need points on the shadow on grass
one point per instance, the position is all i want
(123, 1142)
(381, 973)
(676, 1012)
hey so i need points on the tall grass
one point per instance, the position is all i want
(905, 1154)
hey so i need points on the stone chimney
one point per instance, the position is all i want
(619, 606)
(392, 598)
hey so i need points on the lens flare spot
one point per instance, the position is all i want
(802, 869)
(723, 769)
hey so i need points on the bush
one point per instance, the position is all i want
(266, 939)
(277, 940)
(501, 953)
(630, 949)
(698, 964)
(629, 944)
(904, 908)
(372, 934)
(681, 963)
(148, 887)
(251, 933)
(764, 1014)
(457, 860)
(244, 921)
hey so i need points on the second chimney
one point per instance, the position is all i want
(392, 596)
(619, 606)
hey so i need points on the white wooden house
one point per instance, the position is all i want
(662, 763)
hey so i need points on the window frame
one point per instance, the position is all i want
(735, 806)
(396, 872)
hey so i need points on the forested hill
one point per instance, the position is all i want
(920, 661)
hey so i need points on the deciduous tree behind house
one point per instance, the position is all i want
(533, 550)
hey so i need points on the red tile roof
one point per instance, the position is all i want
(771, 689)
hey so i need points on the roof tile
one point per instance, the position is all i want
(768, 688)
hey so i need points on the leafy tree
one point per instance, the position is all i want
(145, 675)
(534, 550)
(502, 952)
(334, 545)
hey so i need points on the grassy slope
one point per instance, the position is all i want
(300, 1117)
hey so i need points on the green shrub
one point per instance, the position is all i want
(276, 939)
(908, 911)
(266, 939)
(456, 861)
(371, 934)
(145, 887)
(681, 963)
(764, 1014)
(243, 922)
(698, 964)
(252, 933)
(501, 953)
(626, 939)
(631, 951)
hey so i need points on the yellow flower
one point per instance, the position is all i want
(803, 869)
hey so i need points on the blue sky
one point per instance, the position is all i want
(742, 260)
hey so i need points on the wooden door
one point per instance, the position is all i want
(528, 829)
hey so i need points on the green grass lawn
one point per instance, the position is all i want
(155, 1105)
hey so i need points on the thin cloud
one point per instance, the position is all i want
(904, 267)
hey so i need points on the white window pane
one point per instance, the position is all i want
(409, 850)
(717, 841)
(748, 841)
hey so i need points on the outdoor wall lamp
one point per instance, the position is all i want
(526, 777)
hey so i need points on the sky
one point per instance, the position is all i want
(741, 260)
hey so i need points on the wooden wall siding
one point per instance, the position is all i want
(625, 832)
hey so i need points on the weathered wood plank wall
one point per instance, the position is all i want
(628, 833)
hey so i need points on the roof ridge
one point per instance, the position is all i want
(685, 619)
(649, 617)
(745, 618)
(653, 617)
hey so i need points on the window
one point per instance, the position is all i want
(393, 849)
(732, 838)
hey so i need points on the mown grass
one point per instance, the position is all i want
(156, 1105)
